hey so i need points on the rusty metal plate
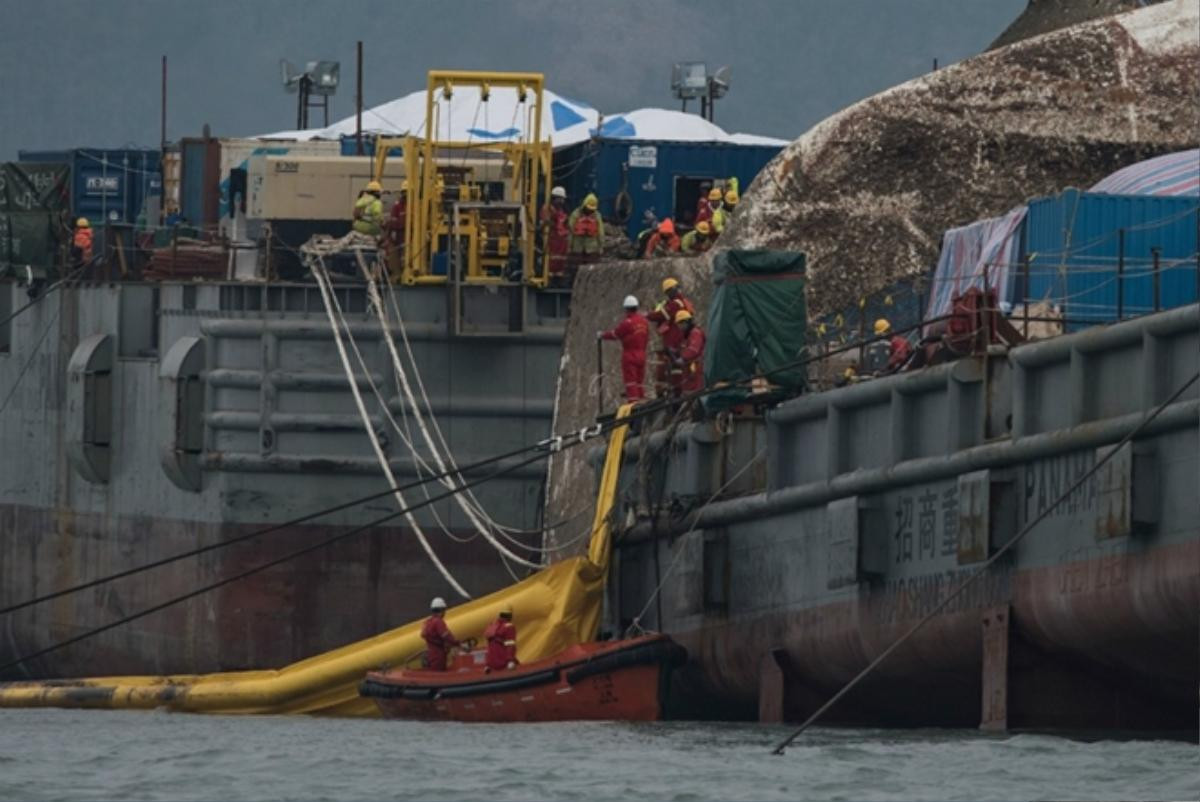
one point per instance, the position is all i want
(1114, 493)
(995, 668)
(843, 542)
(974, 495)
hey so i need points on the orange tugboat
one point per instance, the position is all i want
(623, 680)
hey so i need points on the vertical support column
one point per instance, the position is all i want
(270, 360)
(1079, 407)
(771, 687)
(1152, 375)
(994, 715)
(898, 425)
(1021, 423)
(833, 447)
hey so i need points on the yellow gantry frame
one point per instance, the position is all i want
(531, 161)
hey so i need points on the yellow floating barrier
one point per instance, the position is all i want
(555, 608)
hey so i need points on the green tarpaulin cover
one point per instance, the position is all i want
(756, 324)
(33, 201)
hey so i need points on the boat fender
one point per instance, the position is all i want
(499, 685)
(666, 652)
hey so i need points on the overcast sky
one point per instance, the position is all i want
(77, 73)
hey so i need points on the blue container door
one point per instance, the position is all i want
(1094, 255)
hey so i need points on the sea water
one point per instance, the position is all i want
(66, 754)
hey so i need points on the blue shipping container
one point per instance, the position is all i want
(1094, 254)
(107, 185)
(664, 178)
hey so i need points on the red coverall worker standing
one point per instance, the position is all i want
(553, 218)
(670, 337)
(501, 642)
(690, 355)
(437, 636)
(634, 334)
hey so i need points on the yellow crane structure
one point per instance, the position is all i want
(471, 206)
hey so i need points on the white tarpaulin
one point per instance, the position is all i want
(502, 118)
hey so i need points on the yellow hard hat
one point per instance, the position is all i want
(682, 315)
(82, 223)
(591, 202)
(506, 611)
(882, 326)
(668, 283)
(714, 193)
(731, 197)
(374, 186)
(703, 227)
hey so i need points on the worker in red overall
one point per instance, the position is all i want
(553, 218)
(501, 641)
(437, 636)
(899, 348)
(634, 333)
(670, 337)
(689, 357)
(398, 219)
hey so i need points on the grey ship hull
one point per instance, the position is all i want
(870, 504)
(213, 410)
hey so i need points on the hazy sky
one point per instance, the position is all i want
(80, 73)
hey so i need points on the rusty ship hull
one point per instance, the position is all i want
(862, 509)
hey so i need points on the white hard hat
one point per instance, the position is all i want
(558, 192)
(631, 302)
(438, 603)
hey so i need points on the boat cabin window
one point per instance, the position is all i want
(138, 313)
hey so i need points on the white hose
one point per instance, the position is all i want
(318, 271)
(504, 531)
(471, 513)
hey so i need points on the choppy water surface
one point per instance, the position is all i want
(60, 754)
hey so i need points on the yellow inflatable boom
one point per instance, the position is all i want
(555, 608)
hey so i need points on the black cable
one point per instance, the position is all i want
(45, 333)
(987, 564)
(44, 295)
(551, 445)
(261, 567)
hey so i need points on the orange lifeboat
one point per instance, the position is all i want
(622, 680)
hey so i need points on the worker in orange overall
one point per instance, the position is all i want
(501, 641)
(662, 242)
(670, 337)
(634, 333)
(553, 219)
(689, 357)
(81, 243)
(437, 636)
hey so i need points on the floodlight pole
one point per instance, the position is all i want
(358, 104)
(162, 150)
(302, 89)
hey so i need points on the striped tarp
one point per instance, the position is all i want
(977, 255)
(1173, 174)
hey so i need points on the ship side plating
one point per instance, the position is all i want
(844, 517)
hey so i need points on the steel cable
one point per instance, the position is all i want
(547, 447)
